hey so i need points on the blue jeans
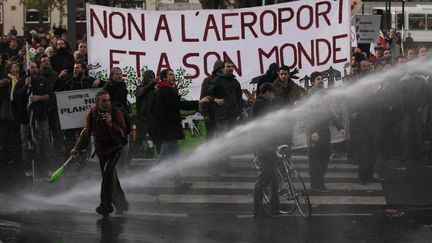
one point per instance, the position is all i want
(169, 149)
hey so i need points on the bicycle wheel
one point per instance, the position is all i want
(300, 194)
(286, 198)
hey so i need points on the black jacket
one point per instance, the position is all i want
(71, 83)
(207, 109)
(118, 93)
(227, 88)
(289, 93)
(52, 77)
(7, 107)
(39, 86)
(167, 113)
(62, 60)
(322, 115)
(144, 101)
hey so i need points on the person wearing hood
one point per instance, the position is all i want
(146, 122)
(318, 134)
(167, 108)
(270, 75)
(207, 109)
(62, 60)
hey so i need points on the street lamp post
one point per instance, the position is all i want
(71, 23)
(389, 15)
(403, 15)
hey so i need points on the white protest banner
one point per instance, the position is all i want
(367, 28)
(309, 35)
(73, 107)
(353, 37)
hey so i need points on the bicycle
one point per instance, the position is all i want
(291, 185)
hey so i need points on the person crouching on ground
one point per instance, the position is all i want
(106, 123)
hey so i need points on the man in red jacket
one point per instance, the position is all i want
(106, 123)
(167, 106)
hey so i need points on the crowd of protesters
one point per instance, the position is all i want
(394, 123)
(400, 110)
(29, 121)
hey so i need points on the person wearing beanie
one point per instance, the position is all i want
(266, 156)
(319, 136)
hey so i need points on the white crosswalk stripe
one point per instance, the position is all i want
(342, 182)
(232, 199)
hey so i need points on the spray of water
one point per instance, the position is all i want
(241, 139)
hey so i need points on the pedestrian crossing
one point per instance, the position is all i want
(236, 187)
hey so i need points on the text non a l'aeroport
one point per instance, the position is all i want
(222, 27)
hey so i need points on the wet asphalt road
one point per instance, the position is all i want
(395, 209)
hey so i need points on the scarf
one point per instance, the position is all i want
(14, 81)
(164, 84)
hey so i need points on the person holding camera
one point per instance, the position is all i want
(107, 125)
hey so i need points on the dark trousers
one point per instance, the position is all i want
(210, 126)
(56, 134)
(411, 132)
(221, 128)
(319, 154)
(111, 191)
(10, 141)
(267, 177)
(366, 149)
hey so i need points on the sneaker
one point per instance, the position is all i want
(103, 211)
(123, 208)
(429, 165)
(276, 212)
(259, 214)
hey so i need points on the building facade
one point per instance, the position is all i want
(13, 13)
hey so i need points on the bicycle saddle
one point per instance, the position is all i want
(283, 151)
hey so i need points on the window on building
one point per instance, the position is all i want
(1, 13)
(80, 11)
(32, 16)
(133, 4)
(399, 21)
(429, 21)
(417, 21)
(181, 1)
